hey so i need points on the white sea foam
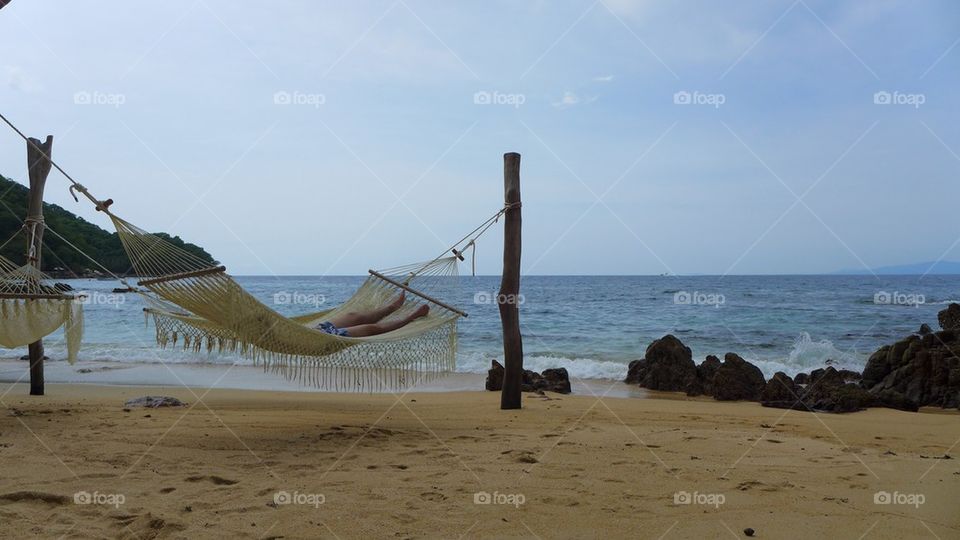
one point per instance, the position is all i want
(808, 355)
(580, 368)
(805, 356)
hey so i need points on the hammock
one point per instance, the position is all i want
(31, 309)
(199, 305)
(202, 307)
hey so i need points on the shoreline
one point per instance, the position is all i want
(249, 377)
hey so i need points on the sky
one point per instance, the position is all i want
(320, 138)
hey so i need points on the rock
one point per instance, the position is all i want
(551, 380)
(895, 400)
(850, 376)
(828, 392)
(556, 380)
(495, 377)
(737, 379)
(705, 374)
(950, 318)
(801, 378)
(531, 381)
(918, 371)
(667, 366)
(154, 402)
(925, 329)
(781, 392)
(748, 531)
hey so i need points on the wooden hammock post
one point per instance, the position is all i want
(510, 397)
(38, 164)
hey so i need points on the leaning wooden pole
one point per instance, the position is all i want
(510, 286)
(38, 163)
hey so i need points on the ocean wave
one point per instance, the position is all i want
(807, 355)
(580, 368)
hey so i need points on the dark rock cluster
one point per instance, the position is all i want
(920, 370)
(551, 380)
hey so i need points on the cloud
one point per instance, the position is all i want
(14, 78)
(569, 99)
(605, 78)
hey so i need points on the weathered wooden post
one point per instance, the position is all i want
(38, 163)
(507, 299)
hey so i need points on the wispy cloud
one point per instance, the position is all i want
(570, 99)
(13, 77)
(605, 78)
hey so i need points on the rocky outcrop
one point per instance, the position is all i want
(780, 391)
(825, 390)
(950, 318)
(551, 380)
(920, 370)
(494, 377)
(667, 366)
(828, 391)
(705, 373)
(737, 379)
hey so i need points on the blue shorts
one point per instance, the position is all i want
(333, 330)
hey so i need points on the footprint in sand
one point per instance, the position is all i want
(521, 456)
(218, 480)
(35, 496)
(433, 496)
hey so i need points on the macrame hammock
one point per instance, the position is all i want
(201, 307)
(31, 308)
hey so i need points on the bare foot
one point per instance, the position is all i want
(420, 312)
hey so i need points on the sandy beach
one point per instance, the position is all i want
(259, 464)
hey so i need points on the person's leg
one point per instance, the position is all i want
(378, 328)
(355, 318)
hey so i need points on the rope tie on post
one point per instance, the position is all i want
(31, 223)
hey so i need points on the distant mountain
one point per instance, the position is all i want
(103, 246)
(929, 268)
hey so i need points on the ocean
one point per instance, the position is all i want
(595, 325)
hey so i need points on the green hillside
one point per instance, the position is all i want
(103, 246)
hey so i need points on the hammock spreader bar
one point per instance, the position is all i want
(426, 297)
